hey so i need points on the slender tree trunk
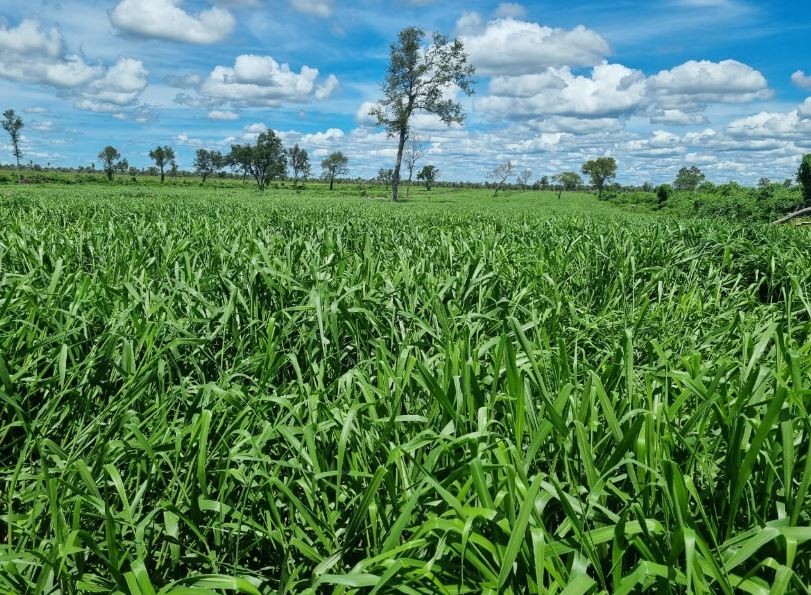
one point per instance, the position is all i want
(331, 180)
(560, 192)
(161, 174)
(18, 169)
(789, 217)
(395, 178)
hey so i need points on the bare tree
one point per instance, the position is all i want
(523, 178)
(414, 151)
(12, 123)
(419, 79)
(501, 174)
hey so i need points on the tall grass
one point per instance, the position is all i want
(215, 394)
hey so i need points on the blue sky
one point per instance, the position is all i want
(721, 84)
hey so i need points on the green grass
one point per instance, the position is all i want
(210, 391)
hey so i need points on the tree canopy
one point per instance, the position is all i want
(600, 170)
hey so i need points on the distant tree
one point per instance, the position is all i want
(568, 181)
(647, 187)
(384, 176)
(500, 174)
(428, 175)
(337, 164)
(123, 166)
(109, 157)
(13, 124)
(414, 150)
(523, 178)
(265, 161)
(688, 178)
(600, 170)
(207, 163)
(706, 187)
(544, 183)
(299, 163)
(240, 159)
(788, 183)
(173, 168)
(764, 183)
(804, 178)
(420, 78)
(663, 193)
(162, 156)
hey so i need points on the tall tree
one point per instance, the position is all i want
(110, 159)
(500, 174)
(420, 79)
(208, 162)
(600, 170)
(414, 151)
(688, 178)
(544, 183)
(299, 163)
(428, 175)
(337, 164)
(265, 161)
(162, 156)
(13, 124)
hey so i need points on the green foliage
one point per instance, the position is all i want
(299, 162)
(420, 78)
(336, 164)
(210, 391)
(110, 159)
(689, 178)
(804, 178)
(663, 193)
(428, 175)
(162, 156)
(264, 162)
(601, 171)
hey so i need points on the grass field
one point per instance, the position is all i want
(210, 390)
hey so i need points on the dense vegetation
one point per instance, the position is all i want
(222, 391)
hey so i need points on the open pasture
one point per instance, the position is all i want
(213, 390)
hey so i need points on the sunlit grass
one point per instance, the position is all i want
(208, 391)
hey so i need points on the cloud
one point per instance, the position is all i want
(513, 47)
(697, 82)
(222, 115)
(509, 10)
(795, 124)
(183, 81)
(677, 117)
(260, 81)
(319, 8)
(802, 80)
(164, 19)
(610, 90)
(30, 54)
(120, 87)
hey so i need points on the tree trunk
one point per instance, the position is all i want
(395, 177)
(18, 170)
(331, 180)
(161, 175)
(789, 217)
(560, 192)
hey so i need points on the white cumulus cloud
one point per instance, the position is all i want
(165, 19)
(802, 80)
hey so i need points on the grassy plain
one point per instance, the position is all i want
(211, 390)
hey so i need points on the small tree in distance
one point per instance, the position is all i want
(663, 193)
(568, 181)
(384, 177)
(208, 162)
(162, 156)
(299, 163)
(109, 157)
(500, 174)
(419, 79)
(428, 175)
(265, 161)
(600, 170)
(415, 149)
(523, 178)
(688, 178)
(337, 164)
(13, 124)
